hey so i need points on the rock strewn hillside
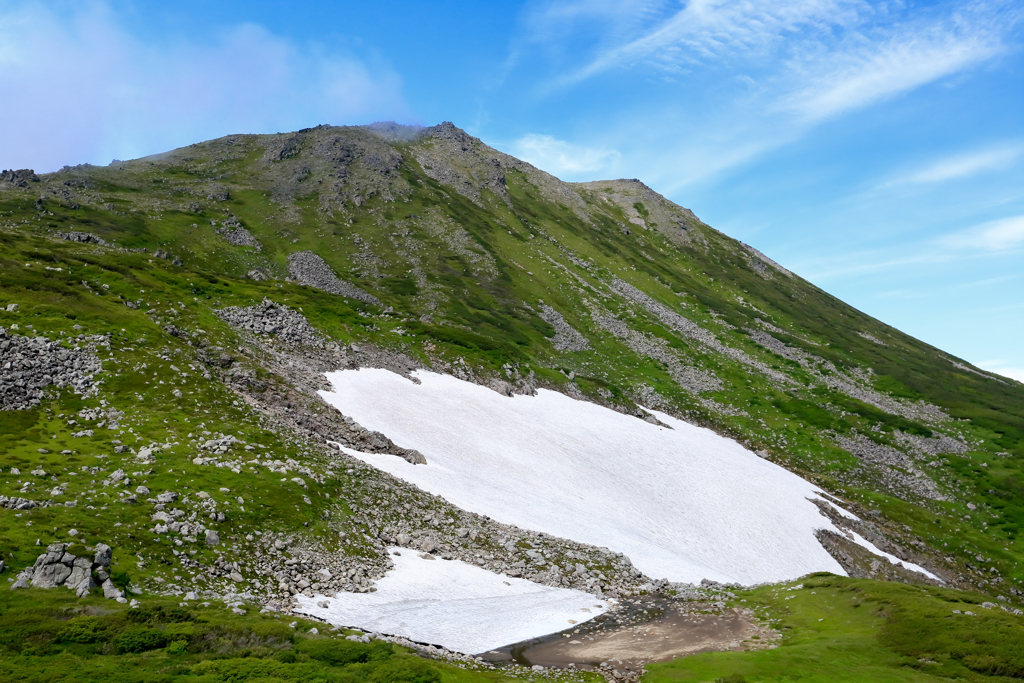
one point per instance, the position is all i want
(385, 246)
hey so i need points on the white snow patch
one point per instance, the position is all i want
(456, 605)
(683, 503)
(865, 543)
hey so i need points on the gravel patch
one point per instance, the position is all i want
(272, 318)
(28, 365)
(235, 233)
(566, 337)
(311, 270)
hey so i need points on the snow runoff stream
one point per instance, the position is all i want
(682, 502)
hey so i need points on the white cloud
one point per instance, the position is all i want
(79, 87)
(998, 235)
(716, 29)
(559, 157)
(962, 165)
(858, 79)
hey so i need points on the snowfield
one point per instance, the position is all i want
(456, 605)
(682, 503)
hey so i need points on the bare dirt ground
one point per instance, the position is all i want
(641, 633)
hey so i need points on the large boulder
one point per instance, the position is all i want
(51, 575)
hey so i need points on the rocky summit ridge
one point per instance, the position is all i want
(165, 324)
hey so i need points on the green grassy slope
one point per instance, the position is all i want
(839, 629)
(465, 248)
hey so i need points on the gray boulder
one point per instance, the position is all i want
(110, 591)
(103, 554)
(50, 575)
(78, 574)
(84, 586)
(54, 553)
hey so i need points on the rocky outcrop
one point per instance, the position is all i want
(80, 573)
(282, 147)
(18, 503)
(861, 563)
(20, 178)
(309, 269)
(759, 264)
(644, 208)
(84, 237)
(899, 472)
(455, 158)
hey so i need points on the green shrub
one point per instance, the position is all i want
(405, 670)
(286, 657)
(140, 640)
(342, 652)
(177, 647)
(175, 615)
(80, 630)
(159, 615)
(250, 669)
(120, 578)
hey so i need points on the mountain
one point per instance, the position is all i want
(167, 324)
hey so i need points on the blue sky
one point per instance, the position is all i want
(876, 148)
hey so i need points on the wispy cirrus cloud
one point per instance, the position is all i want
(561, 158)
(977, 243)
(858, 77)
(962, 165)
(998, 235)
(775, 70)
(705, 30)
(80, 87)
